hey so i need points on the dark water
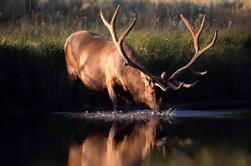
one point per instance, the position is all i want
(173, 138)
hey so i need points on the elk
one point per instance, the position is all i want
(102, 65)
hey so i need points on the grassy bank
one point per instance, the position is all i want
(33, 72)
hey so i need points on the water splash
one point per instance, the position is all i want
(136, 115)
(168, 115)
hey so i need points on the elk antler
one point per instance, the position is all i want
(119, 45)
(198, 52)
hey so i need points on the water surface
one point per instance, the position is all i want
(174, 137)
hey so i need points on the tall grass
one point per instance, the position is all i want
(33, 71)
(154, 14)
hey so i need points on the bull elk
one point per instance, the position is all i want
(102, 64)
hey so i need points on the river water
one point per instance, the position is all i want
(140, 137)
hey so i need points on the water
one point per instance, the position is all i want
(174, 137)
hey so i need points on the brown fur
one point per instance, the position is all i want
(97, 63)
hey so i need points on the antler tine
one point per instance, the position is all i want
(119, 44)
(197, 35)
(122, 37)
(197, 51)
(201, 27)
(202, 51)
(187, 24)
(114, 17)
(191, 29)
(111, 26)
(185, 85)
(194, 72)
(174, 87)
(210, 45)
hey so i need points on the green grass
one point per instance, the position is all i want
(33, 71)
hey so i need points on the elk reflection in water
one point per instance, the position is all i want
(131, 149)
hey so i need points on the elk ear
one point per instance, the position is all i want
(147, 81)
(164, 75)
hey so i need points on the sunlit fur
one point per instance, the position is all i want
(97, 63)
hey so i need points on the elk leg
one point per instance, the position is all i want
(73, 80)
(113, 96)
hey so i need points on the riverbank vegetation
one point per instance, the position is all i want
(33, 71)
